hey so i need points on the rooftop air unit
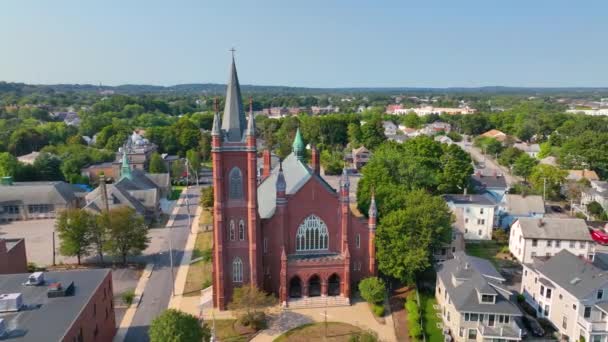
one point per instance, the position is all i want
(57, 290)
(10, 302)
(35, 279)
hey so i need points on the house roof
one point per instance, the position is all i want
(554, 228)
(535, 148)
(359, 150)
(489, 180)
(48, 319)
(496, 134)
(550, 160)
(576, 275)
(519, 205)
(26, 193)
(575, 175)
(459, 199)
(466, 277)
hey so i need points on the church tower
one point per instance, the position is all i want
(235, 210)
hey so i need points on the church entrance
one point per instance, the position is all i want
(314, 286)
(295, 287)
(333, 285)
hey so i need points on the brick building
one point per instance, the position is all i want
(287, 231)
(12, 256)
(80, 308)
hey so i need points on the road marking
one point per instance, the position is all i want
(123, 328)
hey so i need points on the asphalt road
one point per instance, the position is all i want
(489, 162)
(158, 290)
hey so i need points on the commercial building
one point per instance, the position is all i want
(58, 306)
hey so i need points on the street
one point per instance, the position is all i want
(158, 290)
(488, 162)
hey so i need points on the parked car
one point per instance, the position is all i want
(520, 324)
(557, 209)
(533, 326)
(599, 236)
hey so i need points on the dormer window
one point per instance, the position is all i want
(600, 294)
(488, 298)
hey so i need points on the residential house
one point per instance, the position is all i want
(577, 175)
(474, 301)
(530, 149)
(36, 200)
(93, 171)
(398, 138)
(29, 158)
(474, 215)
(12, 256)
(598, 192)
(533, 237)
(360, 157)
(570, 292)
(513, 207)
(495, 134)
(550, 160)
(490, 182)
(389, 128)
(447, 250)
(444, 139)
(437, 127)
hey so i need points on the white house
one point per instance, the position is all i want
(530, 149)
(474, 215)
(571, 292)
(535, 237)
(513, 207)
(598, 192)
(389, 128)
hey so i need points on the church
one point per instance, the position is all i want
(285, 229)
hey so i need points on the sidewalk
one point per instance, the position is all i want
(121, 333)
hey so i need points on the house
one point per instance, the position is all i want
(389, 128)
(58, 306)
(139, 151)
(12, 256)
(474, 302)
(570, 292)
(598, 192)
(513, 207)
(474, 215)
(437, 127)
(36, 200)
(444, 139)
(447, 250)
(577, 175)
(495, 134)
(93, 171)
(550, 160)
(136, 189)
(360, 157)
(29, 158)
(530, 149)
(490, 182)
(398, 138)
(532, 237)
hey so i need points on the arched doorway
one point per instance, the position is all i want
(333, 285)
(314, 286)
(295, 287)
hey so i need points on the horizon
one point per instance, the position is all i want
(343, 44)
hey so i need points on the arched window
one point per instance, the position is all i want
(312, 235)
(358, 240)
(241, 230)
(232, 231)
(235, 190)
(237, 270)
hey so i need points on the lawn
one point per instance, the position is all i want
(199, 273)
(206, 218)
(336, 332)
(176, 190)
(429, 317)
(490, 250)
(224, 331)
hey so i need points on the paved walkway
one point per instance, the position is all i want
(130, 313)
(358, 314)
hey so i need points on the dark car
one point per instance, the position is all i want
(520, 324)
(533, 326)
(557, 209)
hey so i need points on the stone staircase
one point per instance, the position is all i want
(317, 302)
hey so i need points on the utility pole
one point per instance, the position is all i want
(187, 200)
(53, 248)
(544, 188)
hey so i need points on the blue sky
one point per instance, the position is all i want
(309, 43)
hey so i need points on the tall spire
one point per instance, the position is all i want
(298, 145)
(344, 181)
(250, 120)
(280, 184)
(216, 130)
(373, 210)
(233, 121)
(125, 169)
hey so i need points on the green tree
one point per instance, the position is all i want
(332, 162)
(372, 289)
(372, 134)
(8, 164)
(523, 165)
(354, 135)
(411, 120)
(126, 233)
(194, 161)
(595, 209)
(407, 236)
(249, 302)
(157, 164)
(204, 146)
(547, 178)
(74, 228)
(508, 156)
(48, 167)
(177, 326)
(207, 197)
(456, 170)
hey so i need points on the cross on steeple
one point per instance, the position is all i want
(232, 50)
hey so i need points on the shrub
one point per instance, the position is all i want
(255, 320)
(411, 306)
(364, 336)
(500, 235)
(415, 329)
(455, 136)
(177, 326)
(128, 296)
(378, 310)
(206, 255)
(372, 289)
(411, 297)
(207, 283)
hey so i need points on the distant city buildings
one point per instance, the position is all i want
(428, 110)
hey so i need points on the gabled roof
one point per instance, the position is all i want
(489, 180)
(535, 148)
(519, 205)
(576, 175)
(554, 228)
(576, 275)
(233, 121)
(39, 192)
(459, 199)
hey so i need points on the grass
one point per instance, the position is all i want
(224, 330)
(489, 250)
(336, 332)
(176, 190)
(199, 273)
(429, 319)
(206, 218)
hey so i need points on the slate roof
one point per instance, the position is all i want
(48, 319)
(495, 180)
(555, 228)
(535, 148)
(296, 174)
(233, 121)
(475, 276)
(459, 199)
(46, 192)
(576, 275)
(519, 205)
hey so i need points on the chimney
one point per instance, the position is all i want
(316, 166)
(104, 192)
(267, 163)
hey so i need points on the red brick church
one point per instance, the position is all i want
(285, 230)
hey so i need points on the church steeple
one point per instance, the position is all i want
(233, 121)
(125, 169)
(298, 145)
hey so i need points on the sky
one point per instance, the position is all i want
(312, 43)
